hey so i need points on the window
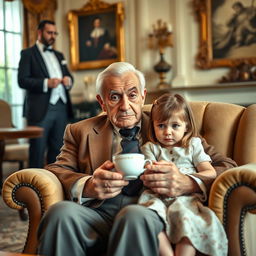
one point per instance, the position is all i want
(10, 45)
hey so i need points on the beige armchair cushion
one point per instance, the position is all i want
(245, 140)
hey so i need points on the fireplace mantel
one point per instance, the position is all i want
(153, 94)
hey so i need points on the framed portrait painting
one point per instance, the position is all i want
(227, 33)
(96, 35)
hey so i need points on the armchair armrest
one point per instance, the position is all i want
(36, 190)
(232, 196)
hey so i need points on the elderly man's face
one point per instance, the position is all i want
(122, 100)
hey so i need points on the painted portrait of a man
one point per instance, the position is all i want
(97, 37)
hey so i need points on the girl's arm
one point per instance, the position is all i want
(206, 169)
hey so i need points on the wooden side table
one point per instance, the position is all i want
(14, 133)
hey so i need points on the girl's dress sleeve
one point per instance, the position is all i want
(149, 151)
(199, 154)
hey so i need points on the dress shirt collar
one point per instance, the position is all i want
(41, 46)
(116, 129)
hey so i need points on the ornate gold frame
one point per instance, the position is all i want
(95, 7)
(205, 58)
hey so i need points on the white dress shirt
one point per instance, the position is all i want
(78, 187)
(54, 70)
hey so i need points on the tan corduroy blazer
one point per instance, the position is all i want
(88, 143)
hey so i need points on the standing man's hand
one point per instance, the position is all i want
(66, 81)
(53, 82)
(104, 183)
(164, 178)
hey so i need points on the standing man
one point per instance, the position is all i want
(44, 74)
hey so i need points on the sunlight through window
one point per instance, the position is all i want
(11, 45)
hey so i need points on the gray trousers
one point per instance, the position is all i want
(118, 227)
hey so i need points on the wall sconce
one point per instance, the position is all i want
(160, 39)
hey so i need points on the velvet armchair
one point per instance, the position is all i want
(228, 127)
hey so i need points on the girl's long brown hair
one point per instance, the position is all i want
(164, 107)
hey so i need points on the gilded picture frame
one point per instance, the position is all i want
(227, 34)
(96, 35)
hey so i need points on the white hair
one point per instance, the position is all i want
(118, 69)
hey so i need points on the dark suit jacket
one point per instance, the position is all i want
(31, 74)
(88, 144)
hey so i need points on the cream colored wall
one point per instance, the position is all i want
(139, 17)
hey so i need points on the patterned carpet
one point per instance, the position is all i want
(12, 230)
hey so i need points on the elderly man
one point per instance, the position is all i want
(104, 215)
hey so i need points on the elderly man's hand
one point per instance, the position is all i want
(104, 183)
(164, 178)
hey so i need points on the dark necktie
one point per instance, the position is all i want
(130, 144)
(48, 49)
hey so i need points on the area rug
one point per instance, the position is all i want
(13, 231)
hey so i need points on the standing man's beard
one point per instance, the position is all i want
(49, 42)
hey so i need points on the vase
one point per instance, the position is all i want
(162, 67)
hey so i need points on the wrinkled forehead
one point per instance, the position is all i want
(120, 82)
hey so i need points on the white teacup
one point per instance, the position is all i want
(130, 164)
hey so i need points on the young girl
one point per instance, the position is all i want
(190, 225)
